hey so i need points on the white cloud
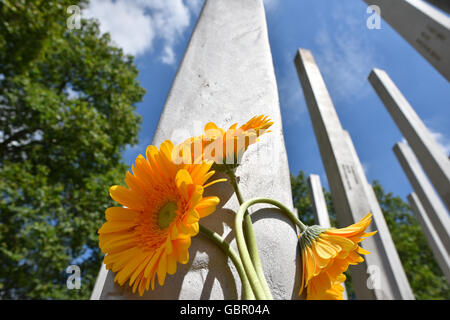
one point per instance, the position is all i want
(134, 25)
(129, 27)
(344, 55)
(168, 56)
(365, 166)
(442, 140)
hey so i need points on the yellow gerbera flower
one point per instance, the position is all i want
(224, 147)
(163, 204)
(326, 255)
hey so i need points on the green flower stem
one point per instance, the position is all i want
(247, 292)
(288, 213)
(251, 241)
(246, 260)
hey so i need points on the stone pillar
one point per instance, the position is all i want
(348, 188)
(423, 26)
(319, 205)
(429, 199)
(318, 201)
(435, 243)
(430, 154)
(227, 76)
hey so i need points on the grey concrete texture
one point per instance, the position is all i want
(382, 227)
(350, 191)
(430, 154)
(433, 206)
(227, 76)
(318, 201)
(435, 243)
(424, 27)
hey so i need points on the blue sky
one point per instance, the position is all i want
(157, 33)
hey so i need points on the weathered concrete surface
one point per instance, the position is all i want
(429, 199)
(349, 190)
(423, 26)
(431, 155)
(227, 76)
(319, 205)
(318, 201)
(435, 243)
(441, 4)
(378, 216)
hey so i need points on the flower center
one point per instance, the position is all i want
(166, 214)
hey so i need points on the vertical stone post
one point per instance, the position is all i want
(430, 154)
(319, 205)
(348, 188)
(318, 201)
(423, 26)
(227, 76)
(429, 199)
(435, 243)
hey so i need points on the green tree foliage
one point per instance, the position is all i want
(67, 110)
(424, 275)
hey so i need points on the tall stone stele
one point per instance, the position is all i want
(381, 275)
(436, 212)
(227, 76)
(424, 27)
(430, 154)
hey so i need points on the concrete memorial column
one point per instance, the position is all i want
(348, 187)
(319, 206)
(424, 27)
(430, 154)
(227, 76)
(429, 199)
(435, 243)
(318, 201)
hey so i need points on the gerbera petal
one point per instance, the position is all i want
(211, 126)
(148, 269)
(114, 226)
(163, 203)
(214, 182)
(327, 254)
(116, 243)
(123, 275)
(127, 197)
(207, 206)
(192, 216)
(140, 269)
(171, 264)
(182, 180)
(120, 214)
(362, 251)
(182, 246)
(162, 269)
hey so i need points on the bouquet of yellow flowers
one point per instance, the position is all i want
(151, 232)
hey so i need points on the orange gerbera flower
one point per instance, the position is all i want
(163, 204)
(225, 148)
(326, 255)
